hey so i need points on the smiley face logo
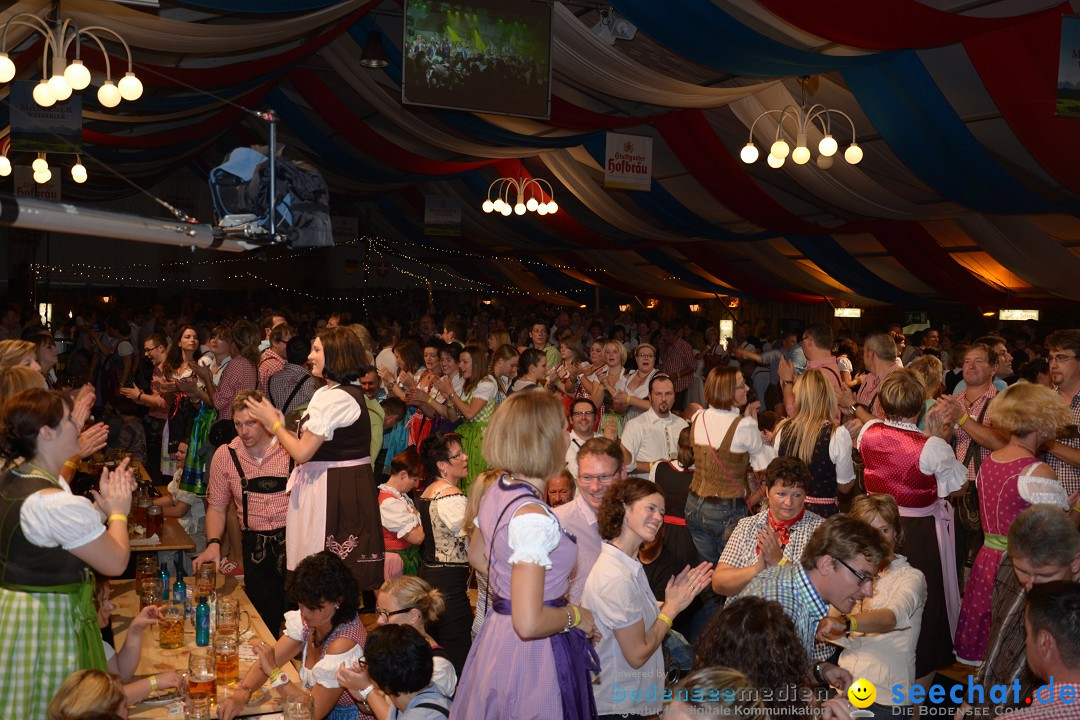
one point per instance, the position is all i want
(862, 693)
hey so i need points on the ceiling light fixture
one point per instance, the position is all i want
(611, 27)
(374, 55)
(533, 202)
(804, 119)
(66, 77)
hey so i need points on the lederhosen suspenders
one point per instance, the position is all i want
(262, 485)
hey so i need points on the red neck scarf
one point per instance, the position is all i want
(783, 528)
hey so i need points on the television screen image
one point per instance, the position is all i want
(490, 56)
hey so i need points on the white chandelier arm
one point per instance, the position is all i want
(754, 124)
(537, 182)
(94, 28)
(38, 25)
(101, 45)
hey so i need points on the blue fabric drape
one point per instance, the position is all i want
(910, 112)
(828, 255)
(702, 32)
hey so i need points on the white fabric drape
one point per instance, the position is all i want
(1027, 251)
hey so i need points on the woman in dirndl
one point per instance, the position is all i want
(50, 540)
(334, 504)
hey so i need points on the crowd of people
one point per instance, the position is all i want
(554, 515)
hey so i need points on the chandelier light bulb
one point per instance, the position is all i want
(7, 68)
(5, 166)
(42, 95)
(43, 177)
(779, 150)
(59, 88)
(77, 76)
(488, 206)
(497, 206)
(108, 95)
(40, 164)
(749, 153)
(506, 210)
(853, 154)
(130, 87)
(552, 207)
(531, 205)
(801, 155)
(519, 209)
(542, 209)
(774, 162)
(78, 172)
(827, 146)
(824, 162)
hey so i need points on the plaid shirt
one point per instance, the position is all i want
(1056, 710)
(679, 358)
(742, 549)
(238, 375)
(868, 392)
(1068, 475)
(963, 440)
(790, 586)
(266, 512)
(269, 364)
(282, 383)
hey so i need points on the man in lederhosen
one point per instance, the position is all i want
(251, 472)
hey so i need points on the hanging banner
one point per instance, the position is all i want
(1068, 85)
(57, 128)
(628, 162)
(26, 186)
(442, 215)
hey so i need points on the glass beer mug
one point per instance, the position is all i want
(171, 627)
(226, 659)
(228, 617)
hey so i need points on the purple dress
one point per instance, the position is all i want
(505, 676)
(999, 504)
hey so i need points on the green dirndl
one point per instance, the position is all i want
(196, 476)
(410, 559)
(46, 633)
(472, 438)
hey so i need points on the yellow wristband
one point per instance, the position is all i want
(273, 430)
(854, 623)
(963, 419)
(274, 675)
(69, 464)
(117, 516)
(783, 561)
(1076, 508)
(577, 616)
(666, 619)
(153, 683)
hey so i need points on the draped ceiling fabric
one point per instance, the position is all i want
(969, 190)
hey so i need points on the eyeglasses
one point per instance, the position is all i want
(147, 351)
(862, 578)
(455, 456)
(385, 615)
(645, 357)
(1061, 359)
(602, 479)
(583, 413)
(742, 386)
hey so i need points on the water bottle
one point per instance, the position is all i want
(179, 587)
(202, 622)
(165, 583)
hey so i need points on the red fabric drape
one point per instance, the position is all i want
(568, 116)
(883, 24)
(1019, 67)
(920, 254)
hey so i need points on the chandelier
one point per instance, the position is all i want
(804, 118)
(66, 77)
(40, 166)
(529, 196)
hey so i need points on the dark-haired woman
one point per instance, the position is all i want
(181, 359)
(50, 541)
(632, 627)
(325, 632)
(445, 563)
(334, 503)
(420, 422)
(402, 530)
(532, 371)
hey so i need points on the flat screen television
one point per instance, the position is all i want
(491, 56)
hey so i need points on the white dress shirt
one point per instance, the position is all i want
(649, 438)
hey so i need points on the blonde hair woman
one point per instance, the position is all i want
(88, 693)
(18, 352)
(530, 631)
(408, 601)
(813, 435)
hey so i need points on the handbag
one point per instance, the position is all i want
(967, 505)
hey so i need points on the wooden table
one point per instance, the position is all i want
(155, 660)
(173, 537)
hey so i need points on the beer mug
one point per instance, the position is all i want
(226, 659)
(171, 627)
(155, 521)
(200, 681)
(205, 580)
(150, 592)
(228, 617)
(146, 567)
(299, 707)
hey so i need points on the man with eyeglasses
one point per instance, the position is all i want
(838, 567)
(653, 436)
(582, 422)
(1064, 453)
(599, 465)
